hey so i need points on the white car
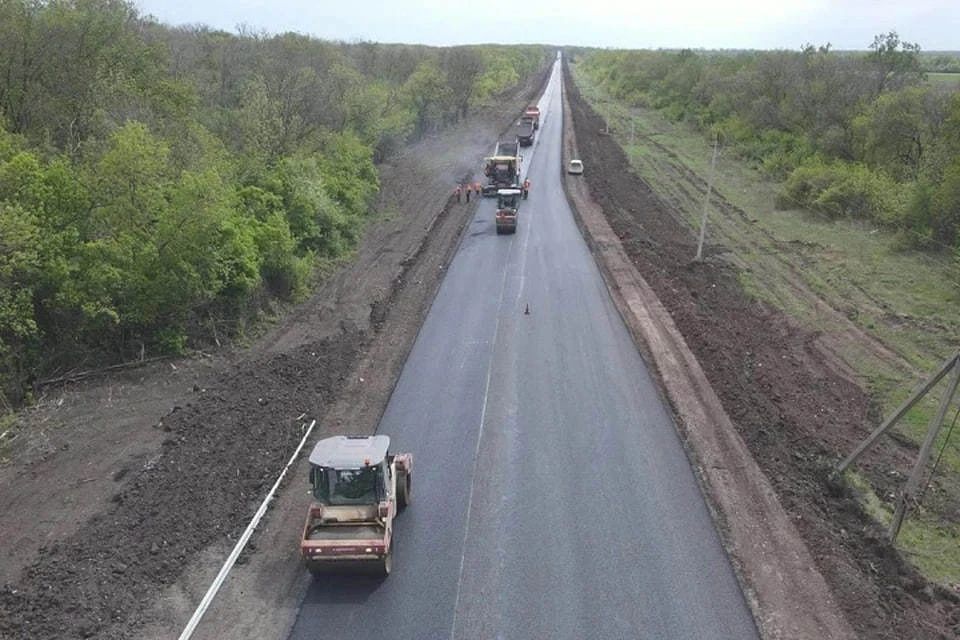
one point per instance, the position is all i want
(575, 167)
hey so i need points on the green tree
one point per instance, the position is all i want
(316, 222)
(206, 254)
(349, 176)
(428, 94)
(897, 131)
(284, 268)
(895, 63)
(462, 66)
(256, 131)
(20, 264)
(128, 181)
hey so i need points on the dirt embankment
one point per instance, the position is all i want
(796, 413)
(125, 494)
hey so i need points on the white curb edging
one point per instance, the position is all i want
(241, 543)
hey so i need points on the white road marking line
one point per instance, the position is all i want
(241, 543)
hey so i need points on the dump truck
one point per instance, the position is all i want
(525, 128)
(533, 111)
(508, 148)
(502, 172)
(508, 207)
(358, 487)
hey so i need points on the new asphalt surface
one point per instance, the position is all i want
(551, 494)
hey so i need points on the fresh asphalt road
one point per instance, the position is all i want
(551, 494)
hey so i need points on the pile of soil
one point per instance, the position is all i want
(797, 414)
(220, 455)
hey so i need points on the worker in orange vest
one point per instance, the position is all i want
(457, 192)
(526, 188)
(469, 189)
(477, 187)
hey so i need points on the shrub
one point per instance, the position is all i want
(841, 190)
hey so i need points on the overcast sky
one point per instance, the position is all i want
(717, 24)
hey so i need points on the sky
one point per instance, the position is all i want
(695, 24)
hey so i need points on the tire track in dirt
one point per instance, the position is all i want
(735, 225)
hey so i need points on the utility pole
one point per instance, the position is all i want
(914, 481)
(915, 397)
(706, 202)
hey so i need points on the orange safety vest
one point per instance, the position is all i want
(458, 190)
(526, 184)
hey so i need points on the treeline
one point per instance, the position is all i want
(858, 135)
(160, 186)
(937, 62)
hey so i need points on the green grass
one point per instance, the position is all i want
(872, 504)
(931, 545)
(907, 300)
(945, 79)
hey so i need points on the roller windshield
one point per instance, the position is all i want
(347, 486)
(507, 201)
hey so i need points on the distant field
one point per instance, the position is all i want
(948, 79)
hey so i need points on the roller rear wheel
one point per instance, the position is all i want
(385, 564)
(404, 490)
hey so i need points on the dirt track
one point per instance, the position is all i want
(137, 495)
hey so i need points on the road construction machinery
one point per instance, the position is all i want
(525, 129)
(533, 111)
(358, 487)
(509, 147)
(502, 172)
(508, 206)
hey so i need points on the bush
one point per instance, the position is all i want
(779, 153)
(914, 218)
(841, 190)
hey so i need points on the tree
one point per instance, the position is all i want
(897, 131)
(427, 92)
(895, 64)
(316, 221)
(257, 129)
(945, 205)
(55, 55)
(19, 272)
(462, 66)
(128, 181)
